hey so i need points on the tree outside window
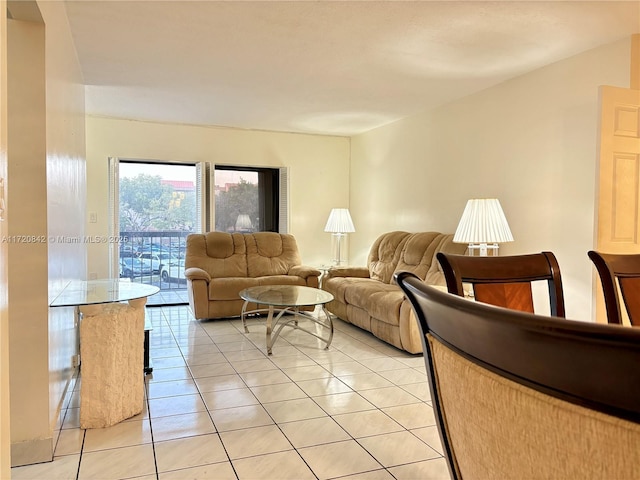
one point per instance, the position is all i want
(149, 204)
(237, 208)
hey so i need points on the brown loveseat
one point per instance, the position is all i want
(219, 265)
(369, 298)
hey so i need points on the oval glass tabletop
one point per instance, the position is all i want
(286, 295)
(92, 292)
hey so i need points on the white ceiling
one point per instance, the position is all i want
(329, 67)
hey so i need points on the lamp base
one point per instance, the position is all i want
(483, 250)
(337, 247)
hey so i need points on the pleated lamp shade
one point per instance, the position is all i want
(243, 222)
(339, 221)
(483, 222)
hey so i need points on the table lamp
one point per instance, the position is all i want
(483, 226)
(339, 224)
(243, 223)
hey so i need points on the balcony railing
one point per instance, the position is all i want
(154, 258)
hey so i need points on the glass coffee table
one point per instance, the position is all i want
(287, 299)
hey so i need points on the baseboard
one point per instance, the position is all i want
(32, 451)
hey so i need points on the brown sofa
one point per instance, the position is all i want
(219, 265)
(369, 298)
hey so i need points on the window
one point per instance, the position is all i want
(250, 199)
(157, 197)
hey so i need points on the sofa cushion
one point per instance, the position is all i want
(229, 288)
(359, 293)
(217, 253)
(384, 255)
(435, 275)
(419, 252)
(380, 300)
(338, 286)
(281, 280)
(270, 253)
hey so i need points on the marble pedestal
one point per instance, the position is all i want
(112, 359)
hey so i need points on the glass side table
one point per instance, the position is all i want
(324, 269)
(111, 347)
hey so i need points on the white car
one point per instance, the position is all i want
(154, 258)
(173, 270)
(164, 264)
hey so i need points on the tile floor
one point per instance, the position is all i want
(171, 294)
(217, 407)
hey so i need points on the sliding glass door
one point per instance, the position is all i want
(154, 207)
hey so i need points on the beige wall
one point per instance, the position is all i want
(66, 192)
(46, 191)
(530, 141)
(5, 417)
(318, 171)
(27, 223)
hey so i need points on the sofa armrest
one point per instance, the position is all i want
(195, 273)
(360, 272)
(303, 271)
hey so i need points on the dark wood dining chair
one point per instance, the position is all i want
(621, 270)
(505, 281)
(519, 395)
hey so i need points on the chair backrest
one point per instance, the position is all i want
(505, 281)
(625, 268)
(518, 395)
